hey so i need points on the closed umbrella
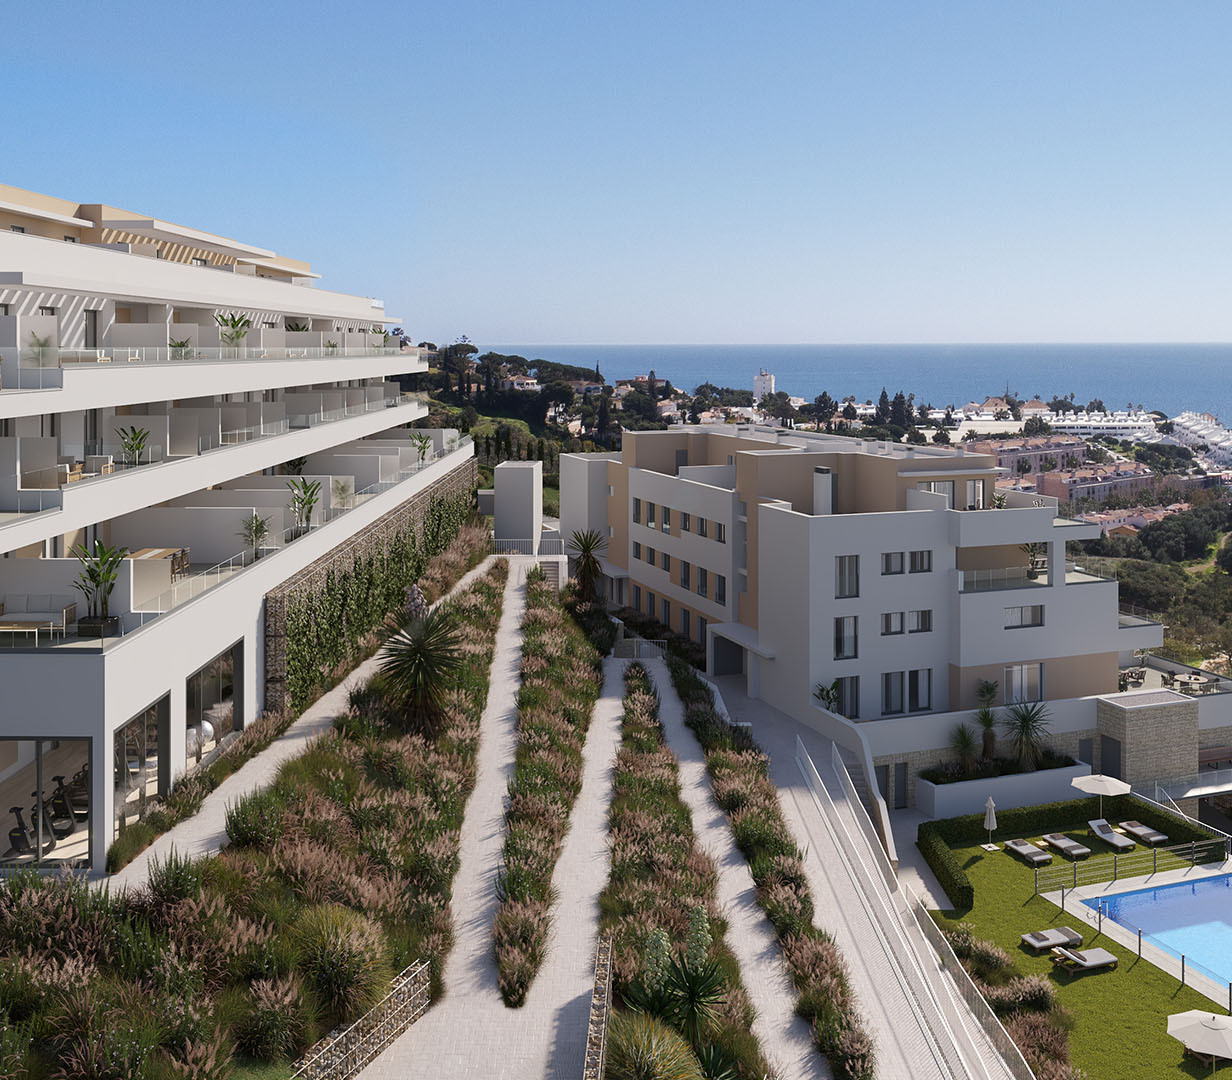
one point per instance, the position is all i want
(1098, 784)
(990, 818)
(1203, 1032)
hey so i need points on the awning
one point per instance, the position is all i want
(744, 636)
(45, 215)
(168, 233)
(269, 264)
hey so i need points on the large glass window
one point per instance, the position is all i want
(920, 622)
(940, 487)
(891, 693)
(665, 612)
(892, 562)
(702, 582)
(1028, 615)
(637, 598)
(720, 589)
(1024, 682)
(846, 576)
(45, 792)
(684, 622)
(921, 562)
(849, 696)
(720, 532)
(846, 637)
(135, 757)
(667, 519)
(637, 550)
(975, 495)
(684, 574)
(920, 690)
(703, 527)
(210, 706)
(891, 623)
(637, 511)
(685, 523)
(650, 515)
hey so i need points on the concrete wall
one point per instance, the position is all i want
(1008, 792)
(518, 502)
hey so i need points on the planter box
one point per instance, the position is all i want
(94, 626)
(1008, 792)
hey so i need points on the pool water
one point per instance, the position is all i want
(1190, 919)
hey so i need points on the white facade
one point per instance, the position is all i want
(763, 385)
(99, 338)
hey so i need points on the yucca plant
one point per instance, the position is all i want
(420, 665)
(586, 547)
(1026, 725)
(962, 742)
(986, 695)
(640, 1047)
(695, 992)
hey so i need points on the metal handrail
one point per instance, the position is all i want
(1099, 869)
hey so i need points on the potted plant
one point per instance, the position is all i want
(181, 349)
(133, 442)
(254, 531)
(305, 494)
(233, 328)
(1036, 553)
(423, 443)
(341, 488)
(100, 569)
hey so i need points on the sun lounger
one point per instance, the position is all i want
(1103, 830)
(1144, 832)
(1054, 938)
(1024, 848)
(1083, 959)
(1066, 846)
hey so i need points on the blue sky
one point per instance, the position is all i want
(668, 172)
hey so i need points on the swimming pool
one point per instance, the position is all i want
(1190, 919)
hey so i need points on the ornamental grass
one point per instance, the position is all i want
(336, 878)
(561, 676)
(740, 780)
(662, 889)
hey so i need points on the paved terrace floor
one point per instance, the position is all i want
(205, 833)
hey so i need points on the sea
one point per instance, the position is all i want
(1169, 378)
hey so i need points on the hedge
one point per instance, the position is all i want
(936, 838)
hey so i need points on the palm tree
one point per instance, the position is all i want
(586, 547)
(1026, 724)
(420, 663)
(986, 694)
(962, 742)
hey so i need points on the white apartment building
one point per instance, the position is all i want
(763, 385)
(158, 384)
(1113, 425)
(1201, 430)
(879, 568)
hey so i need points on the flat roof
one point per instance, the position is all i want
(181, 234)
(45, 215)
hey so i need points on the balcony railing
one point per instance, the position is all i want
(42, 367)
(200, 581)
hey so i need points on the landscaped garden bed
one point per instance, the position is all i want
(739, 773)
(336, 878)
(1115, 1020)
(669, 960)
(446, 553)
(561, 677)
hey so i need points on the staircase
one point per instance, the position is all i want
(551, 572)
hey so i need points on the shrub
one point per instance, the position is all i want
(173, 879)
(343, 958)
(129, 844)
(256, 821)
(640, 1047)
(942, 861)
(278, 1020)
(1024, 993)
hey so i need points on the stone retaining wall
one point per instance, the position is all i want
(462, 479)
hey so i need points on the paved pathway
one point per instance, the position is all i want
(903, 1048)
(784, 1036)
(470, 1033)
(205, 832)
(913, 871)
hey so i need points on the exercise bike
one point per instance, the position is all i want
(60, 827)
(21, 839)
(66, 802)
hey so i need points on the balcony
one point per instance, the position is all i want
(1020, 577)
(196, 579)
(42, 367)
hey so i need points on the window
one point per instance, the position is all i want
(4, 309)
(701, 629)
(920, 622)
(975, 495)
(1024, 682)
(846, 576)
(846, 637)
(665, 560)
(684, 522)
(703, 527)
(650, 555)
(637, 511)
(17, 228)
(650, 515)
(271, 325)
(684, 574)
(892, 562)
(637, 550)
(848, 696)
(667, 519)
(70, 239)
(684, 622)
(892, 623)
(891, 693)
(720, 589)
(637, 598)
(921, 562)
(47, 311)
(650, 608)
(701, 581)
(720, 532)
(940, 487)
(665, 613)
(611, 490)
(920, 690)
(1030, 615)
(198, 261)
(611, 531)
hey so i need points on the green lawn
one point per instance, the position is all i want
(1120, 1016)
(246, 1069)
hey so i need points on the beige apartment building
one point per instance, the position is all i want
(879, 568)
